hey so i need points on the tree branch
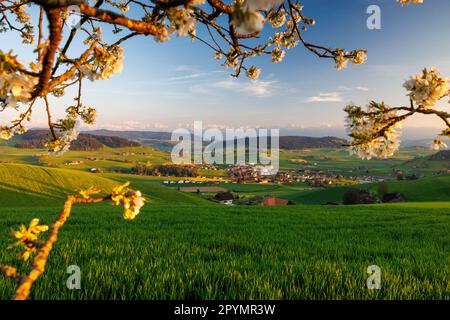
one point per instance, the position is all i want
(55, 26)
(114, 18)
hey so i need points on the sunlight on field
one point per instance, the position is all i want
(183, 246)
(192, 252)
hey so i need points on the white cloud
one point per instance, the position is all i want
(200, 89)
(124, 126)
(326, 97)
(189, 76)
(257, 88)
(186, 68)
(159, 125)
(357, 88)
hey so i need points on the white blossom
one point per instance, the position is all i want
(277, 55)
(181, 21)
(253, 73)
(107, 61)
(15, 88)
(438, 144)
(360, 57)
(6, 133)
(373, 134)
(341, 61)
(427, 88)
(277, 19)
(62, 143)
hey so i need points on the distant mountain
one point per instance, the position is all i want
(297, 142)
(436, 162)
(133, 135)
(420, 144)
(162, 140)
(443, 155)
(35, 139)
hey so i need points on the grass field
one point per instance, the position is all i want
(187, 252)
(334, 161)
(433, 188)
(182, 246)
(338, 161)
(107, 159)
(26, 185)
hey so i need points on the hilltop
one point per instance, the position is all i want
(436, 162)
(35, 139)
(27, 185)
(162, 140)
(299, 142)
(133, 135)
(443, 155)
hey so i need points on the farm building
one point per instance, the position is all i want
(96, 170)
(394, 197)
(224, 198)
(270, 201)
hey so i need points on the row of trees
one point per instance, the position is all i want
(165, 170)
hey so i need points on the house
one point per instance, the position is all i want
(74, 163)
(270, 201)
(394, 197)
(224, 198)
(358, 196)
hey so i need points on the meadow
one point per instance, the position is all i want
(182, 246)
(338, 161)
(432, 188)
(193, 252)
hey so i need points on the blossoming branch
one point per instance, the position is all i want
(29, 244)
(232, 28)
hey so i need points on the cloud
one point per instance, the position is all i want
(186, 68)
(159, 125)
(200, 89)
(257, 88)
(326, 97)
(386, 70)
(188, 77)
(357, 88)
(124, 126)
(184, 73)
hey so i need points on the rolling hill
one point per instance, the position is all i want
(443, 155)
(133, 135)
(433, 188)
(298, 142)
(439, 161)
(35, 139)
(27, 186)
(162, 140)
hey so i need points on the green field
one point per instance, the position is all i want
(333, 161)
(188, 252)
(182, 246)
(338, 161)
(107, 159)
(26, 185)
(433, 188)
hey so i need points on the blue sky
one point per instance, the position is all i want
(170, 85)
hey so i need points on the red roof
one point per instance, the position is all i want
(275, 202)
